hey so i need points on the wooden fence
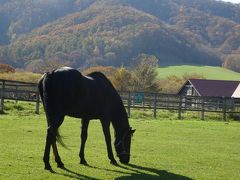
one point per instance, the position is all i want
(22, 91)
(19, 91)
(181, 104)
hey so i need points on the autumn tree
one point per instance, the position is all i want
(122, 79)
(173, 83)
(106, 70)
(52, 64)
(144, 75)
(42, 66)
(35, 66)
(232, 62)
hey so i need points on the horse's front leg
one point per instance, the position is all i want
(106, 131)
(84, 135)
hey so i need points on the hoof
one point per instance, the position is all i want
(60, 165)
(114, 163)
(49, 168)
(83, 162)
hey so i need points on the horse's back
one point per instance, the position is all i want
(67, 76)
(66, 84)
(71, 93)
(58, 90)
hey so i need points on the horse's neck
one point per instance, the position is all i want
(120, 125)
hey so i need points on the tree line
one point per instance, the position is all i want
(140, 76)
(85, 33)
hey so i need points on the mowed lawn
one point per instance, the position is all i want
(209, 72)
(161, 149)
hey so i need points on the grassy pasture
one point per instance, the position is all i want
(209, 72)
(161, 148)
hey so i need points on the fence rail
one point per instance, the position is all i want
(22, 91)
(19, 91)
(157, 101)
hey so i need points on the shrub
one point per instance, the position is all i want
(5, 68)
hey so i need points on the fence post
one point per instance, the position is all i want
(37, 103)
(180, 108)
(2, 96)
(129, 104)
(16, 94)
(202, 111)
(155, 106)
(224, 108)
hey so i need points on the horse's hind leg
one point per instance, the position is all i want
(84, 135)
(49, 141)
(57, 157)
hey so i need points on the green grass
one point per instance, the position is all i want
(209, 72)
(161, 148)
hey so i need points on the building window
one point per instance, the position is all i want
(189, 91)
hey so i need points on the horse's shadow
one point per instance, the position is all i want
(134, 172)
(74, 175)
(140, 172)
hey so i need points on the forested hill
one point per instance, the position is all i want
(82, 33)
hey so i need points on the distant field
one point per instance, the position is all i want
(21, 76)
(209, 72)
(161, 149)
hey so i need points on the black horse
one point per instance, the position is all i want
(66, 91)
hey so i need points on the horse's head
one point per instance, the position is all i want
(123, 145)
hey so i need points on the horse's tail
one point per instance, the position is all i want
(40, 88)
(59, 140)
(44, 88)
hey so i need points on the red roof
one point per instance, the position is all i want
(214, 88)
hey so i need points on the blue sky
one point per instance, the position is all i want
(233, 1)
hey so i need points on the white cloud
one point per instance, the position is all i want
(232, 1)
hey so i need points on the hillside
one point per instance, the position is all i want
(208, 72)
(82, 33)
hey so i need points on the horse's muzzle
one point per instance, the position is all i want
(124, 158)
